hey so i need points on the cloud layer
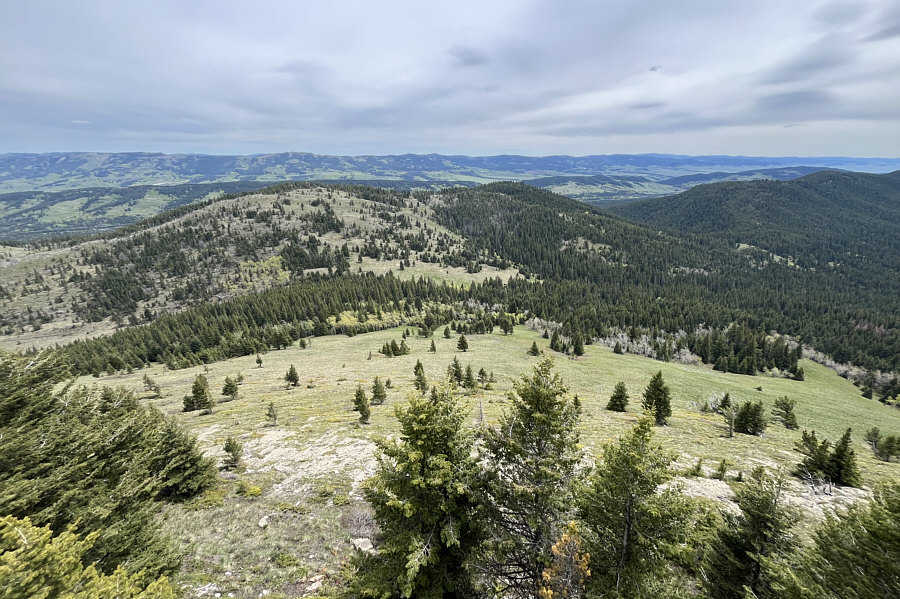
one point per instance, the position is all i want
(508, 76)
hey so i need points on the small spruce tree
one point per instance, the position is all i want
(535, 350)
(230, 388)
(233, 450)
(432, 349)
(361, 405)
(784, 412)
(420, 383)
(656, 399)
(555, 342)
(272, 414)
(379, 394)
(292, 378)
(259, 360)
(619, 399)
(462, 344)
(578, 345)
(200, 395)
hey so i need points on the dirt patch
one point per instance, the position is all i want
(333, 455)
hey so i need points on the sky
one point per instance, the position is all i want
(768, 78)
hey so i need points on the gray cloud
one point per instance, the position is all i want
(465, 77)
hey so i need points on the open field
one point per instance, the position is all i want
(310, 465)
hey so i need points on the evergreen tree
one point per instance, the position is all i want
(272, 414)
(446, 332)
(181, 470)
(233, 451)
(455, 371)
(628, 522)
(816, 455)
(750, 418)
(842, 468)
(432, 349)
(555, 342)
(469, 378)
(656, 399)
(482, 377)
(784, 412)
(230, 388)
(292, 378)
(527, 486)
(618, 348)
(395, 349)
(619, 399)
(578, 345)
(379, 394)
(259, 360)
(420, 383)
(35, 563)
(462, 344)
(534, 351)
(201, 398)
(853, 554)
(404, 349)
(733, 561)
(421, 494)
(361, 405)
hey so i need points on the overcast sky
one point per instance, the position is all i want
(785, 77)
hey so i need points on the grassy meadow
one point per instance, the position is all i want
(308, 468)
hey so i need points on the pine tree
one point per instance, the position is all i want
(842, 468)
(750, 418)
(534, 351)
(619, 399)
(455, 371)
(482, 377)
(629, 521)
(432, 349)
(446, 332)
(527, 486)
(233, 451)
(292, 378)
(361, 405)
(230, 388)
(420, 383)
(469, 378)
(404, 349)
(618, 348)
(462, 344)
(656, 399)
(761, 531)
(200, 396)
(784, 412)
(36, 563)
(853, 554)
(181, 470)
(555, 342)
(421, 495)
(395, 349)
(272, 414)
(379, 394)
(578, 345)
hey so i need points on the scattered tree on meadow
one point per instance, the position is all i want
(656, 399)
(379, 394)
(233, 451)
(230, 388)
(837, 465)
(292, 378)
(432, 349)
(578, 345)
(884, 447)
(555, 342)
(619, 399)
(420, 382)
(272, 414)
(259, 360)
(361, 405)
(750, 418)
(201, 398)
(535, 350)
(469, 378)
(462, 344)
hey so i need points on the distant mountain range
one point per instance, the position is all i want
(70, 170)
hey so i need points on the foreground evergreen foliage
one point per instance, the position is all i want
(93, 457)
(35, 564)
(424, 504)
